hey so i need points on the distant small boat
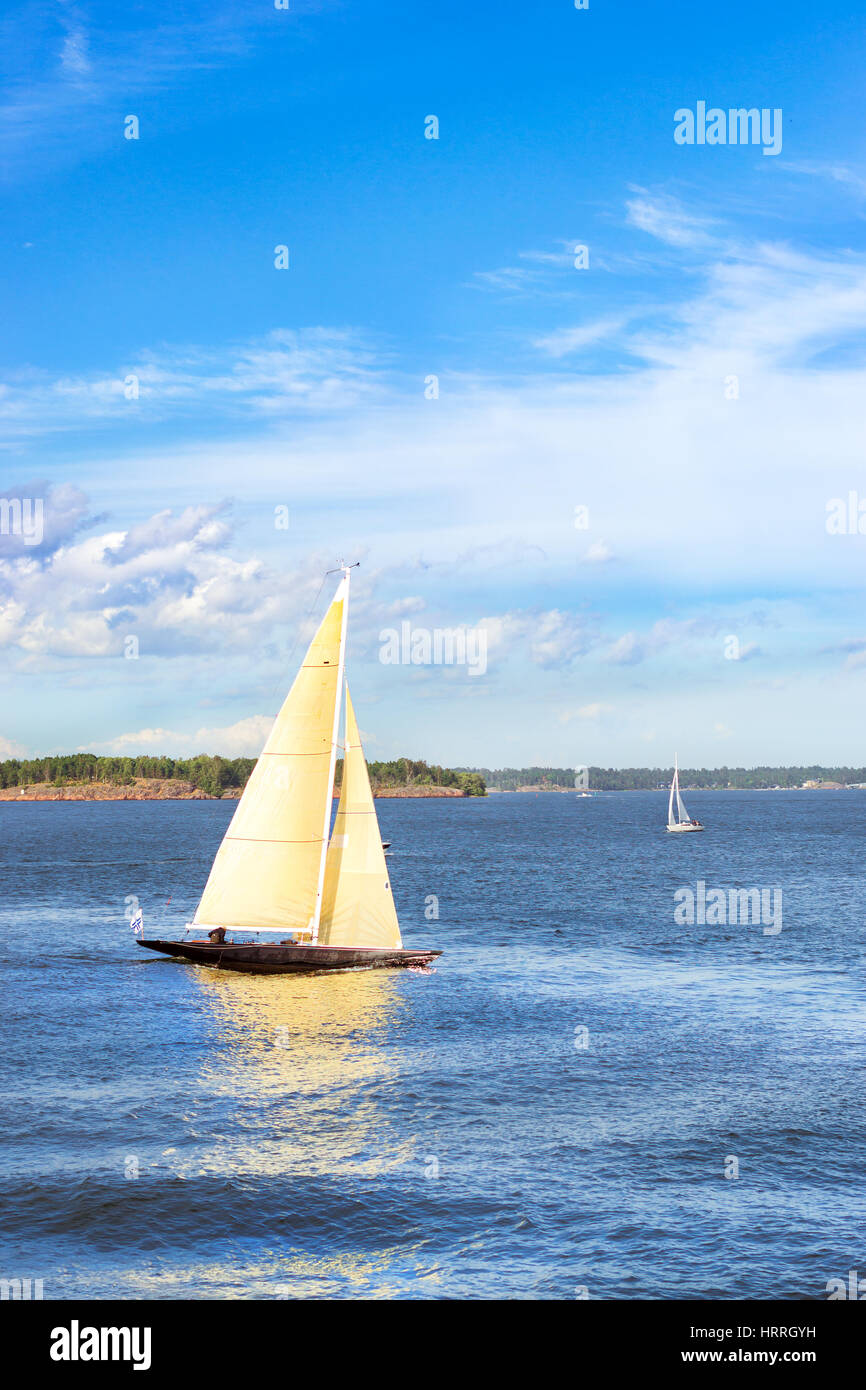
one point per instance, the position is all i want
(279, 870)
(679, 819)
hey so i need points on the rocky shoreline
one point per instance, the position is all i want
(172, 789)
(142, 789)
(379, 792)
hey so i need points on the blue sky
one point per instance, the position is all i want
(698, 386)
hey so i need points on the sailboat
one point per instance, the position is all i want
(678, 817)
(280, 871)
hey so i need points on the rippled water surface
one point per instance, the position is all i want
(175, 1132)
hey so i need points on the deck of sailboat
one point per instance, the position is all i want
(276, 959)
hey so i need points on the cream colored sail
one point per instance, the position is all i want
(358, 907)
(266, 874)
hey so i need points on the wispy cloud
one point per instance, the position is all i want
(569, 340)
(67, 70)
(280, 374)
(854, 649)
(537, 269)
(73, 53)
(668, 220)
(852, 179)
(468, 502)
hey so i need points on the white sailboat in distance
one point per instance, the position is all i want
(679, 819)
(280, 871)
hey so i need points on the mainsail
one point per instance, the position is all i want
(358, 905)
(682, 814)
(268, 872)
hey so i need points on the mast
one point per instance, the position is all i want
(358, 905)
(335, 734)
(674, 786)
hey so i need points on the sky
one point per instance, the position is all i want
(591, 395)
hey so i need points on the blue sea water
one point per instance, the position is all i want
(168, 1131)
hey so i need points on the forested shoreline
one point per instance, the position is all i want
(211, 774)
(611, 779)
(215, 775)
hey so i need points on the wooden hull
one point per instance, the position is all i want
(269, 959)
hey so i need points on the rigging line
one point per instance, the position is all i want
(306, 620)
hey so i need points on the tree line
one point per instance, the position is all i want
(404, 772)
(212, 774)
(508, 779)
(615, 779)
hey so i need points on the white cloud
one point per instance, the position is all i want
(593, 711)
(693, 465)
(599, 553)
(166, 582)
(245, 739)
(10, 749)
(470, 500)
(549, 638)
(62, 510)
(634, 647)
(627, 650)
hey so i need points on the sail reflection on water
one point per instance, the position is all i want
(293, 1117)
(303, 1063)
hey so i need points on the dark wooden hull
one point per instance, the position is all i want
(270, 959)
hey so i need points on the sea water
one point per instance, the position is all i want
(585, 1098)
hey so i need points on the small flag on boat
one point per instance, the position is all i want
(137, 923)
